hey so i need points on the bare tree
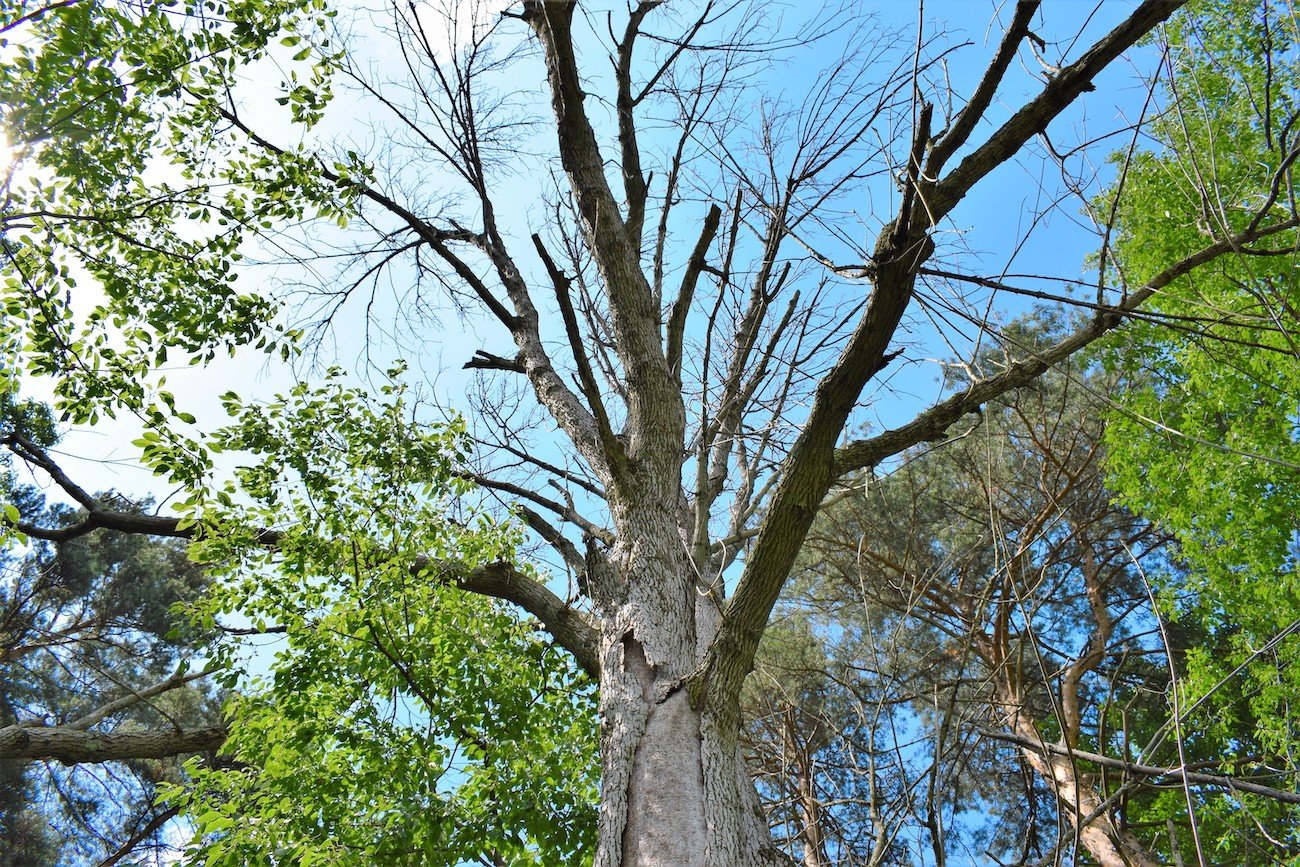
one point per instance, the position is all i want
(694, 316)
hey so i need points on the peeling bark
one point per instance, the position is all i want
(674, 790)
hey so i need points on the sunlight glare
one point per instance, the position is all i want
(8, 157)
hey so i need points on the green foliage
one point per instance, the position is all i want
(401, 722)
(1206, 437)
(130, 202)
(30, 420)
(414, 727)
(26, 838)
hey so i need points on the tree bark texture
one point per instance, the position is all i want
(72, 745)
(674, 787)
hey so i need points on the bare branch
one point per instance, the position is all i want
(499, 580)
(150, 828)
(1156, 772)
(135, 697)
(613, 449)
(1063, 89)
(934, 422)
(634, 182)
(483, 360)
(681, 307)
(634, 317)
(957, 134)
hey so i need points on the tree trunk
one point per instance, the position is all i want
(674, 789)
(1076, 793)
(1111, 845)
(674, 792)
(810, 817)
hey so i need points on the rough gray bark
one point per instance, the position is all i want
(673, 786)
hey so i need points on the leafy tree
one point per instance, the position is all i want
(90, 643)
(695, 317)
(100, 98)
(1206, 420)
(1204, 438)
(1002, 579)
(402, 722)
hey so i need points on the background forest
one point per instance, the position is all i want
(649, 433)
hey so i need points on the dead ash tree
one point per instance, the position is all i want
(697, 315)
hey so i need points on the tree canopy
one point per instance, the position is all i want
(748, 362)
(1211, 412)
